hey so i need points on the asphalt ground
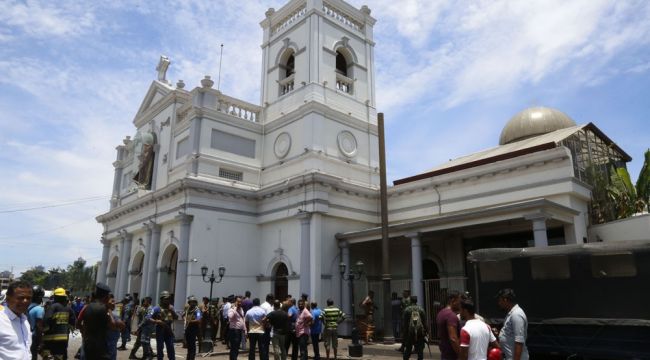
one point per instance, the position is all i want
(373, 351)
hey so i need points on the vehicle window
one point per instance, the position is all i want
(493, 271)
(552, 267)
(616, 265)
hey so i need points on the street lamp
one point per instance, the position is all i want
(355, 349)
(206, 344)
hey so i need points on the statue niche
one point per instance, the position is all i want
(145, 170)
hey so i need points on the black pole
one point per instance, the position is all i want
(355, 349)
(207, 346)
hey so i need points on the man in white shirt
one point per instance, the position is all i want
(15, 333)
(265, 342)
(475, 336)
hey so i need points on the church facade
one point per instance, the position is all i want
(281, 192)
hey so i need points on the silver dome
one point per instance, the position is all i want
(533, 122)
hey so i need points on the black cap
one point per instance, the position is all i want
(102, 289)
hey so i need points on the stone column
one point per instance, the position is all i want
(416, 266)
(124, 264)
(316, 254)
(539, 229)
(305, 251)
(346, 304)
(153, 250)
(180, 292)
(145, 262)
(103, 267)
(119, 277)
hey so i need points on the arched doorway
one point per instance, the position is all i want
(168, 270)
(281, 281)
(135, 274)
(111, 274)
(429, 269)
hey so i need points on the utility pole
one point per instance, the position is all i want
(385, 245)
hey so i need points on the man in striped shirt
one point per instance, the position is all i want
(333, 317)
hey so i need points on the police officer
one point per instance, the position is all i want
(163, 316)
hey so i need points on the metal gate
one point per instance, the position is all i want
(435, 297)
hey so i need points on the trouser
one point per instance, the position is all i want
(191, 334)
(396, 328)
(254, 340)
(279, 347)
(147, 351)
(126, 333)
(303, 342)
(292, 341)
(264, 345)
(165, 339)
(314, 342)
(58, 349)
(235, 336)
(34, 347)
(137, 344)
(409, 342)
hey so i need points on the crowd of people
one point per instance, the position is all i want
(30, 327)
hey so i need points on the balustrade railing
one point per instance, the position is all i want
(344, 83)
(286, 85)
(295, 16)
(238, 108)
(338, 16)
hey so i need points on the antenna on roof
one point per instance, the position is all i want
(220, 58)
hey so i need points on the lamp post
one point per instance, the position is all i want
(355, 349)
(206, 344)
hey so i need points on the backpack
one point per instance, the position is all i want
(415, 325)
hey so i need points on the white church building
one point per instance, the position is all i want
(281, 192)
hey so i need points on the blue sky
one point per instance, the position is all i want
(449, 76)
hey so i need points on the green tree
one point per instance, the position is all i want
(79, 276)
(643, 182)
(627, 198)
(35, 275)
(56, 277)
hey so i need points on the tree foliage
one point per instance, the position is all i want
(76, 277)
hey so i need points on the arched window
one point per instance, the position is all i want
(341, 64)
(343, 76)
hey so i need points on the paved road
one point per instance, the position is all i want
(371, 352)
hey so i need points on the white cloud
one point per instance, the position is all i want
(44, 19)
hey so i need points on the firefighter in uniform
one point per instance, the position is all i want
(59, 320)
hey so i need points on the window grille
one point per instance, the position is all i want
(231, 175)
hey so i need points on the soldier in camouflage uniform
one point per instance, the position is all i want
(163, 316)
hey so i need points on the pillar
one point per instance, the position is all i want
(124, 264)
(539, 229)
(305, 251)
(103, 267)
(346, 326)
(316, 248)
(153, 251)
(180, 292)
(145, 263)
(416, 266)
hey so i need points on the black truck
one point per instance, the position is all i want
(583, 301)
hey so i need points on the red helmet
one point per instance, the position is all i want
(495, 354)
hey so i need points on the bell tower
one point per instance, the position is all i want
(318, 89)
